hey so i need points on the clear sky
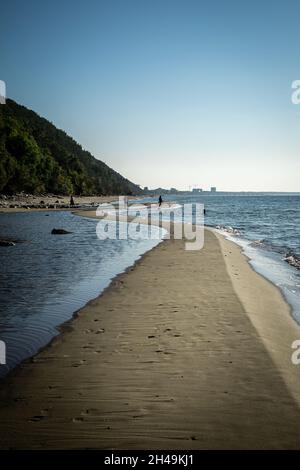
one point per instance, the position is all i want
(169, 93)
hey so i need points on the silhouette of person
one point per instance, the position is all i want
(159, 201)
(72, 201)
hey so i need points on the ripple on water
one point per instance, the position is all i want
(44, 280)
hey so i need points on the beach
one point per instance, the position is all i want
(28, 202)
(185, 350)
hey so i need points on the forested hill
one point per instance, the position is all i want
(36, 157)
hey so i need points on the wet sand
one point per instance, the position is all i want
(186, 350)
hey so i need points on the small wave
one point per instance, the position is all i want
(292, 260)
(266, 245)
(258, 243)
(228, 229)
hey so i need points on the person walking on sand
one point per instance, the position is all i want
(72, 201)
(159, 201)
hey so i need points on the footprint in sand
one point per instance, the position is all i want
(36, 418)
(78, 419)
(88, 330)
(78, 363)
(16, 399)
(89, 411)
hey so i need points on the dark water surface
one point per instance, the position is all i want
(46, 278)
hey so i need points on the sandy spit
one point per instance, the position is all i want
(186, 350)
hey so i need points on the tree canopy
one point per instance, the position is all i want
(36, 157)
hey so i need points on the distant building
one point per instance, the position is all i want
(196, 190)
(213, 189)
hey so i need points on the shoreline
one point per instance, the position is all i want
(271, 329)
(250, 300)
(221, 236)
(290, 267)
(63, 322)
(66, 326)
(54, 203)
(26, 389)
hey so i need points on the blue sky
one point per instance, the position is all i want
(169, 93)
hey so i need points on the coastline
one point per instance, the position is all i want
(52, 203)
(278, 329)
(79, 268)
(161, 360)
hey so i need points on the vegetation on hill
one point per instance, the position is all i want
(36, 157)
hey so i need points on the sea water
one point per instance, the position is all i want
(45, 278)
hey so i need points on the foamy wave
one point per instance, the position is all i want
(229, 229)
(292, 260)
(259, 243)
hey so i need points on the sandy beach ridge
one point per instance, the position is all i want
(186, 350)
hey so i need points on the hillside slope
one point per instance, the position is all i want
(37, 157)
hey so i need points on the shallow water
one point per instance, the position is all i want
(46, 278)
